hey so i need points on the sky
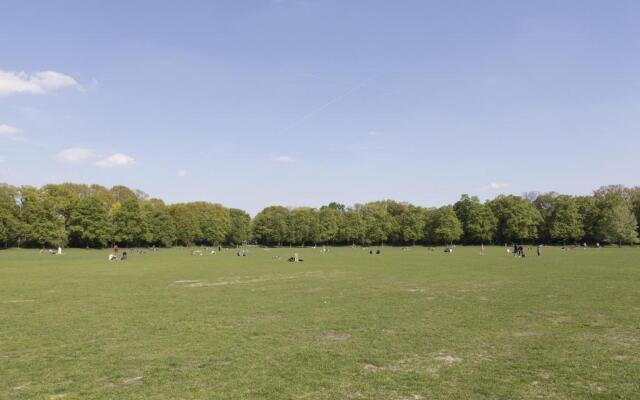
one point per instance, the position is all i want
(304, 102)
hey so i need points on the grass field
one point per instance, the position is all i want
(344, 325)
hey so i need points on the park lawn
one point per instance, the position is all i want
(343, 325)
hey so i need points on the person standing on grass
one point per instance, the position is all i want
(482, 249)
(539, 250)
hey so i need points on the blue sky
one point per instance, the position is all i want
(303, 102)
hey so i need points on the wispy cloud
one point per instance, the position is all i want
(116, 160)
(42, 82)
(281, 159)
(373, 133)
(182, 173)
(495, 185)
(8, 131)
(75, 155)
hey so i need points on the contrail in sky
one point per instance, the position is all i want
(329, 103)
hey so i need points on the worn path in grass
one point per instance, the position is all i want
(343, 325)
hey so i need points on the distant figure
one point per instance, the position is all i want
(598, 245)
(584, 245)
(219, 248)
(370, 251)
(59, 250)
(296, 258)
(124, 256)
(378, 251)
(515, 250)
(482, 249)
(521, 251)
(115, 248)
(539, 250)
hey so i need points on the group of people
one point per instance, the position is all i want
(124, 257)
(52, 251)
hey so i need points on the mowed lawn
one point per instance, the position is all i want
(343, 325)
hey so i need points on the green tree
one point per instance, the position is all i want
(9, 215)
(160, 229)
(619, 225)
(271, 225)
(517, 219)
(121, 193)
(240, 227)
(478, 221)
(444, 225)
(545, 204)
(352, 228)
(378, 223)
(304, 226)
(329, 219)
(564, 220)
(412, 223)
(44, 223)
(128, 224)
(186, 223)
(590, 216)
(214, 221)
(88, 224)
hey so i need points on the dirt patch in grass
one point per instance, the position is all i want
(525, 334)
(561, 319)
(369, 367)
(334, 336)
(20, 387)
(137, 380)
(242, 280)
(622, 357)
(448, 359)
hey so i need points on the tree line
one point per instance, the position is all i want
(94, 216)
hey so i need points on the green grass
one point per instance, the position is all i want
(343, 325)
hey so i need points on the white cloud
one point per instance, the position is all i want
(116, 160)
(283, 159)
(8, 131)
(182, 173)
(373, 133)
(38, 83)
(496, 185)
(75, 155)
